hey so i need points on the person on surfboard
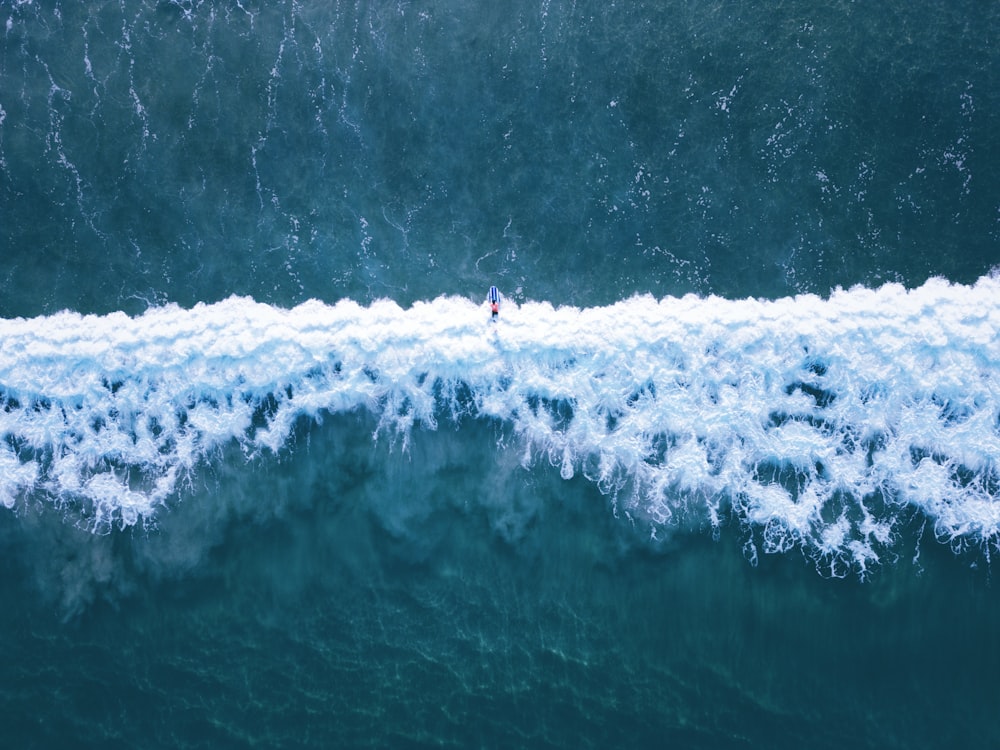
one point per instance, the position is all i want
(494, 300)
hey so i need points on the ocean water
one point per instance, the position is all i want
(725, 473)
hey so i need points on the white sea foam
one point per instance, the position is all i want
(818, 423)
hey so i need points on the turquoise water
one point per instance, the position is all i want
(724, 474)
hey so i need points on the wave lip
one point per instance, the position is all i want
(820, 423)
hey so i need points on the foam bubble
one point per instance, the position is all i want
(818, 423)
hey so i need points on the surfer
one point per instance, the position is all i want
(494, 300)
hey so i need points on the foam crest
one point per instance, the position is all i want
(818, 423)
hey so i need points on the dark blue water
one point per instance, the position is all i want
(384, 574)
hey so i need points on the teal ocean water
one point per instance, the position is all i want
(725, 473)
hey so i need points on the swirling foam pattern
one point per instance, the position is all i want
(819, 423)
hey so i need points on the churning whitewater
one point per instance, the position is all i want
(817, 423)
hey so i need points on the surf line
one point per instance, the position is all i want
(811, 418)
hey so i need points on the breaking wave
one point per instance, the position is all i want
(818, 423)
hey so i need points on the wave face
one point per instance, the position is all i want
(818, 423)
